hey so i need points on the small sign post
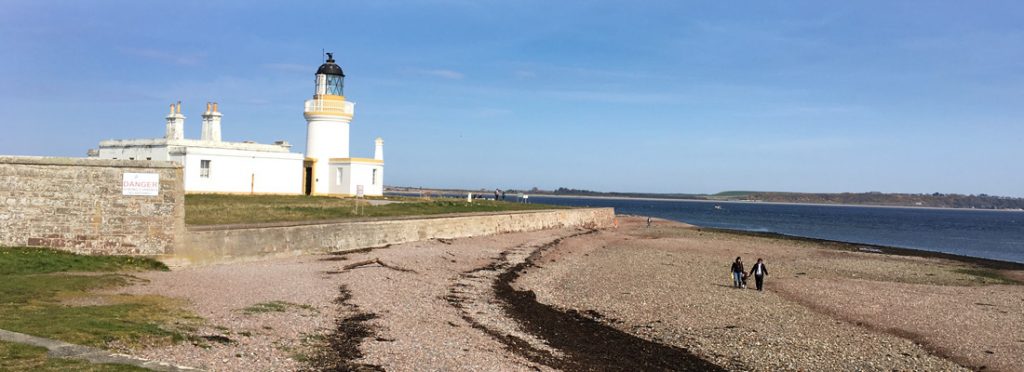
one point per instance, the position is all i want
(143, 184)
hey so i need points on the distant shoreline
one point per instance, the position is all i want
(485, 193)
(771, 203)
(876, 248)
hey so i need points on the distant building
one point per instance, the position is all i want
(215, 166)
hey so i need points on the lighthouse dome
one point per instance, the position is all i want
(329, 67)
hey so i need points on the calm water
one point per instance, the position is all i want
(989, 234)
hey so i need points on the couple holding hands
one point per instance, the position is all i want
(739, 276)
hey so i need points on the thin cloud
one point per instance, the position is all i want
(615, 97)
(181, 59)
(440, 73)
(525, 74)
(288, 67)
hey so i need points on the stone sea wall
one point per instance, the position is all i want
(78, 205)
(208, 244)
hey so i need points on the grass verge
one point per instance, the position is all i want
(987, 276)
(18, 357)
(215, 209)
(39, 289)
(275, 306)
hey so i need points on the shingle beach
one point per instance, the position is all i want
(628, 298)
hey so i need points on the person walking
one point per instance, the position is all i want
(737, 273)
(648, 222)
(759, 271)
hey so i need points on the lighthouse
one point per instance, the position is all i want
(328, 167)
(212, 164)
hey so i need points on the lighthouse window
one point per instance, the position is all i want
(335, 85)
(204, 168)
(374, 179)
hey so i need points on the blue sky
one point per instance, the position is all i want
(917, 96)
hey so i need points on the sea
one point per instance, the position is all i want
(991, 234)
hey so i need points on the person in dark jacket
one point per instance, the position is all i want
(759, 271)
(737, 273)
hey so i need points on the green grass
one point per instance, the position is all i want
(23, 289)
(987, 276)
(275, 306)
(40, 261)
(18, 357)
(37, 285)
(211, 209)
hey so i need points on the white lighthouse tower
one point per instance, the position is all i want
(328, 168)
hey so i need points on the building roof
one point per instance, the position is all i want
(159, 142)
(329, 67)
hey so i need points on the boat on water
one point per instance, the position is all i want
(718, 206)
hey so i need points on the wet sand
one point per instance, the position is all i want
(631, 298)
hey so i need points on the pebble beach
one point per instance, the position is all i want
(563, 300)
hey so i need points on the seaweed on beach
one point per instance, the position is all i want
(339, 350)
(585, 343)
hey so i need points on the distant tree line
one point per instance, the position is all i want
(937, 200)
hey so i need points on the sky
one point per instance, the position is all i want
(651, 96)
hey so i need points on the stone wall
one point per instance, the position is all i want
(209, 244)
(76, 204)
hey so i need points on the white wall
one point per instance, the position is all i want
(135, 153)
(354, 174)
(326, 138)
(235, 171)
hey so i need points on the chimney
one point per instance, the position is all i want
(175, 123)
(211, 123)
(378, 152)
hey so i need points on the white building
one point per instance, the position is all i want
(214, 166)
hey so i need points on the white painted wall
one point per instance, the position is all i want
(234, 171)
(363, 174)
(326, 138)
(347, 176)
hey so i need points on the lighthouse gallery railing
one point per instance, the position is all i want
(330, 106)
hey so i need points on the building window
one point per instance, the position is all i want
(149, 158)
(374, 179)
(204, 168)
(341, 176)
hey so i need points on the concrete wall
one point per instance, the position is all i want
(212, 244)
(76, 204)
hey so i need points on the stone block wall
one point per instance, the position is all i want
(76, 204)
(211, 244)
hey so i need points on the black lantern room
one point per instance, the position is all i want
(333, 78)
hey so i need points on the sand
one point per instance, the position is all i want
(441, 306)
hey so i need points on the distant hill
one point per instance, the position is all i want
(937, 200)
